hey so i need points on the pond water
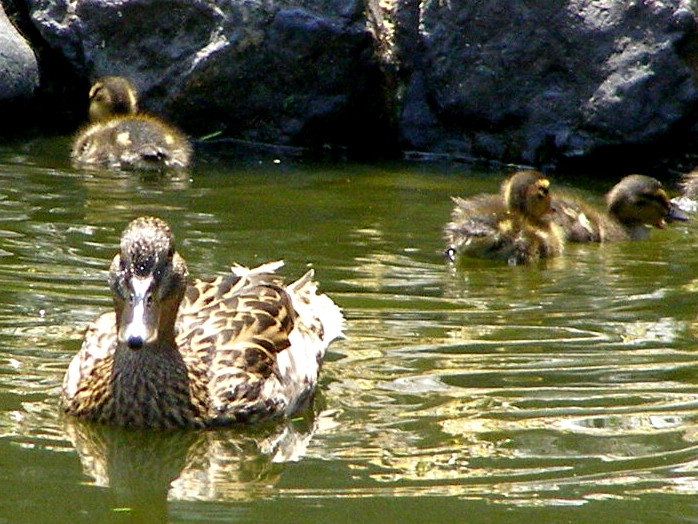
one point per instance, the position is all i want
(563, 392)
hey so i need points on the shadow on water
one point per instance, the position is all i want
(484, 393)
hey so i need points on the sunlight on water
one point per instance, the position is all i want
(570, 384)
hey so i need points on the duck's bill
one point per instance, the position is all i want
(676, 214)
(139, 326)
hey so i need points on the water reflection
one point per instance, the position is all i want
(191, 465)
(570, 383)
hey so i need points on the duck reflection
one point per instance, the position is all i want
(146, 469)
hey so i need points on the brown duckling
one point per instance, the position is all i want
(119, 137)
(239, 348)
(634, 205)
(515, 225)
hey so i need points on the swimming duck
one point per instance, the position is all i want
(239, 348)
(634, 205)
(514, 226)
(119, 137)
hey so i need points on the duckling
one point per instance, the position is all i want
(634, 205)
(514, 226)
(239, 348)
(120, 137)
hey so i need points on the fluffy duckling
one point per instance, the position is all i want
(121, 138)
(634, 205)
(239, 348)
(515, 226)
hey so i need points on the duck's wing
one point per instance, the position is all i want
(240, 331)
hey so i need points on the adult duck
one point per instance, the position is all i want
(634, 205)
(239, 348)
(514, 225)
(119, 137)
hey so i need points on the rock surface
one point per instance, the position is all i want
(537, 81)
(19, 70)
(266, 71)
(525, 81)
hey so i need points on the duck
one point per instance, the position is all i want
(120, 137)
(175, 352)
(514, 225)
(634, 205)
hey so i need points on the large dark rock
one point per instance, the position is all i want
(19, 71)
(537, 81)
(298, 73)
(526, 81)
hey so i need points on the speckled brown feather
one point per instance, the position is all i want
(230, 331)
(237, 348)
(238, 330)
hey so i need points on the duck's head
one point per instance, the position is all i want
(527, 193)
(111, 96)
(639, 200)
(148, 280)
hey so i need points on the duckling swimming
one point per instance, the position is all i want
(634, 205)
(515, 226)
(239, 348)
(121, 138)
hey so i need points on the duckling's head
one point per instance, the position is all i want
(110, 96)
(527, 193)
(638, 201)
(148, 280)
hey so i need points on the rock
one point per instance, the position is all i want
(522, 81)
(264, 71)
(19, 70)
(543, 82)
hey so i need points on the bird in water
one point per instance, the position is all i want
(515, 225)
(239, 348)
(634, 205)
(119, 137)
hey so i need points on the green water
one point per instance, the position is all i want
(565, 392)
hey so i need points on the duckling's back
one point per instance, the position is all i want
(131, 142)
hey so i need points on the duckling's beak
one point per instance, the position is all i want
(139, 320)
(676, 214)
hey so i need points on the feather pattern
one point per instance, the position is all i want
(244, 348)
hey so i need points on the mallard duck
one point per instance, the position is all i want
(514, 226)
(119, 137)
(238, 348)
(634, 205)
